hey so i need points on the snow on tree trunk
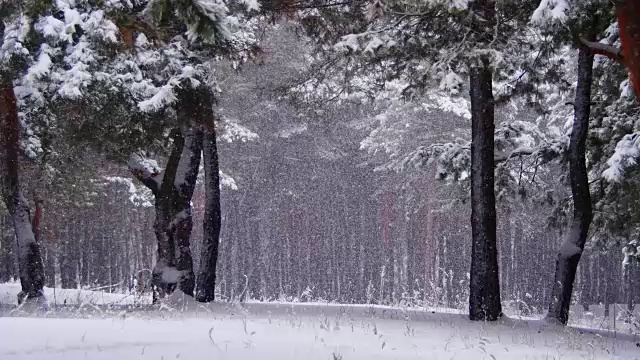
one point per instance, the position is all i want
(571, 250)
(484, 286)
(174, 220)
(182, 222)
(164, 275)
(212, 221)
(30, 261)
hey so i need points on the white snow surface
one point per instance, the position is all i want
(9, 295)
(181, 328)
(285, 332)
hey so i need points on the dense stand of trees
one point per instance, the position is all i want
(311, 218)
(329, 237)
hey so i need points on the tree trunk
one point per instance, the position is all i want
(484, 285)
(182, 222)
(164, 275)
(30, 261)
(484, 291)
(628, 14)
(212, 221)
(174, 218)
(571, 250)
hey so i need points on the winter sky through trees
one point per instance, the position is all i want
(319, 178)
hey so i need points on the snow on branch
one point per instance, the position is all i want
(624, 157)
(514, 140)
(166, 94)
(137, 196)
(230, 130)
(146, 170)
(519, 152)
(550, 10)
(453, 160)
(228, 181)
(599, 48)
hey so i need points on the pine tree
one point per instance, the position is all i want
(425, 49)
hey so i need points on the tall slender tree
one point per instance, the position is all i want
(573, 246)
(212, 220)
(426, 49)
(484, 294)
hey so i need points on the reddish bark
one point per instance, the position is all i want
(628, 13)
(30, 261)
(11, 133)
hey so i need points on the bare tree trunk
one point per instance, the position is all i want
(571, 250)
(484, 286)
(30, 261)
(212, 221)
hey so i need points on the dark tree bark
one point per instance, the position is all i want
(212, 221)
(571, 250)
(182, 223)
(30, 261)
(484, 286)
(174, 218)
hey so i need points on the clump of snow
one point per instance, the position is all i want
(228, 181)
(231, 130)
(348, 42)
(451, 83)
(458, 106)
(145, 167)
(458, 4)
(550, 10)
(138, 195)
(252, 5)
(625, 156)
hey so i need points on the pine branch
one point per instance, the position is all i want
(598, 48)
(519, 152)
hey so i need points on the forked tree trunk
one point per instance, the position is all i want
(30, 261)
(484, 286)
(212, 221)
(174, 219)
(571, 250)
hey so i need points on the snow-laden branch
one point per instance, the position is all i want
(599, 48)
(519, 152)
(146, 170)
(513, 141)
(139, 196)
(229, 130)
(625, 156)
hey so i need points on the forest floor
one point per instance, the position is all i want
(183, 329)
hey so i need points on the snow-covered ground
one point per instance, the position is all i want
(183, 329)
(9, 295)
